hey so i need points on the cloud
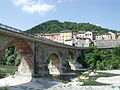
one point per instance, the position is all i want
(40, 6)
(61, 1)
(1, 19)
(32, 6)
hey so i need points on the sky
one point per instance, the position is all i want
(25, 14)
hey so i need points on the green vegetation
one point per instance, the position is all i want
(11, 57)
(91, 83)
(103, 59)
(5, 88)
(9, 62)
(54, 26)
(7, 70)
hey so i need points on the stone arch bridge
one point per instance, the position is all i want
(36, 51)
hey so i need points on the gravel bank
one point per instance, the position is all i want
(114, 80)
(111, 71)
(29, 83)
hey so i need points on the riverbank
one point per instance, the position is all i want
(29, 83)
(114, 80)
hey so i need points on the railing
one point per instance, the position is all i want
(9, 28)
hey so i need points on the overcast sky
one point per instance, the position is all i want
(24, 14)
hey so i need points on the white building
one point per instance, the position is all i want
(107, 36)
(83, 38)
(83, 42)
(85, 34)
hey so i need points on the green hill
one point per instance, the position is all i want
(54, 26)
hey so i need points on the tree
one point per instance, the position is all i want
(116, 51)
(103, 60)
(55, 26)
(92, 58)
(11, 57)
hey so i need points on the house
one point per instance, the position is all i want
(107, 36)
(66, 35)
(85, 34)
(83, 42)
(54, 36)
(80, 39)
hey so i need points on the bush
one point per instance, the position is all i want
(103, 60)
(4, 88)
(7, 70)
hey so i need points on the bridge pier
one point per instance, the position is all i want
(66, 68)
(42, 71)
(41, 67)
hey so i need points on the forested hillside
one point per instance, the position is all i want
(54, 26)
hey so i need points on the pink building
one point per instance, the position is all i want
(54, 36)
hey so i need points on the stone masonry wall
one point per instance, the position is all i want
(106, 43)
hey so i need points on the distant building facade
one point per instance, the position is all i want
(81, 38)
(66, 37)
(54, 36)
(83, 42)
(85, 34)
(84, 38)
(107, 36)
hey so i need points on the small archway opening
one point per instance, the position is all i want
(54, 65)
(18, 54)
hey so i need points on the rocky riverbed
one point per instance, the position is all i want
(29, 83)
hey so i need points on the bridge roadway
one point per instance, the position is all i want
(35, 52)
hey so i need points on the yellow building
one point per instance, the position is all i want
(65, 35)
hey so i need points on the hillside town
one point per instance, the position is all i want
(83, 38)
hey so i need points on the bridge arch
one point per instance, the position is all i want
(54, 64)
(26, 66)
(73, 58)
